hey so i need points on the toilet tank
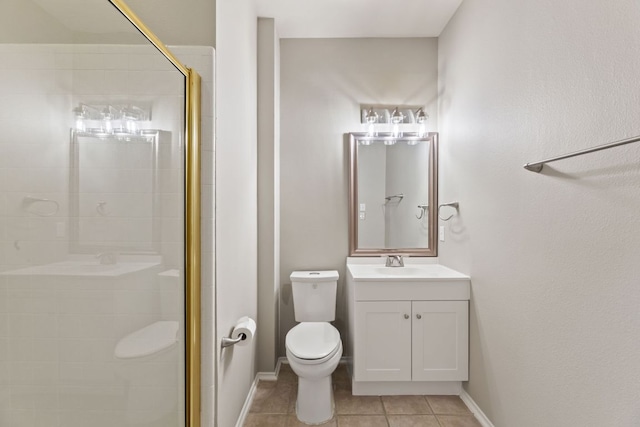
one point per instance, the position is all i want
(314, 295)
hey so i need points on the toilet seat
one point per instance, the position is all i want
(313, 342)
(148, 341)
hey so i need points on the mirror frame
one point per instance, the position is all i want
(432, 241)
(152, 137)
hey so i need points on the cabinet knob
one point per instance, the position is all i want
(406, 316)
(418, 316)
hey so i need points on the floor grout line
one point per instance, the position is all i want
(286, 414)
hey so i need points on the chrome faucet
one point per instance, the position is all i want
(107, 258)
(394, 261)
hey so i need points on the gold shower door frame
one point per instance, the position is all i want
(192, 219)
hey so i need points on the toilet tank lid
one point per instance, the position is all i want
(314, 276)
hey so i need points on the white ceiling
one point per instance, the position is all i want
(358, 18)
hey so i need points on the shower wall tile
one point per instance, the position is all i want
(88, 82)
(116, 61)
(149, 61)
(89, 61)
(63, 61)
(28, 60)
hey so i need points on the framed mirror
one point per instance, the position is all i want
(393, 194)
(115, 189)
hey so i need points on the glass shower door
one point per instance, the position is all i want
(92, 200)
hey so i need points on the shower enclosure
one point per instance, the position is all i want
(99, 220)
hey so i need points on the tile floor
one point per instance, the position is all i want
(274, 406)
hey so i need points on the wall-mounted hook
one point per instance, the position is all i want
(423, 211)
(101, 208)
(395, 196)
(454, 205)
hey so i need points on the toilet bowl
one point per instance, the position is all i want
(313, 346)
(314, 350)
(148, 363)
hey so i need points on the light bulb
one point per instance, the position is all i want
(396, 116)
(421, 119)
(371, 116)
(131, 126)
(107, 125)
(390, 142)
(80, 124)
(79, 115)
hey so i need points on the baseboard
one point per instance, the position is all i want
(271, 376)
(260, 376)
(477, 412)
(247, 403)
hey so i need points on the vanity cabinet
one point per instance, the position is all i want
(440, 341)
(382, 336)
(411, 341)
(407, 335)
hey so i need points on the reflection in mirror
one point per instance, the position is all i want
(393, 194)
(114, 194)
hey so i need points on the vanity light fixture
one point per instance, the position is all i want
(395, 119)
(122, 119)
(388, 114)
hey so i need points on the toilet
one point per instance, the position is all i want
(148, 360)
(313, 346)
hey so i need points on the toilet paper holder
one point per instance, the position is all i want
(228, 341)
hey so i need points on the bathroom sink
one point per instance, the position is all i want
(410, 272)
(400, 271)
(82, 268)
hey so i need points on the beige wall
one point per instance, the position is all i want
(22, 21)
(268, 192)
(191, 22)
(236, 198)
(553, 257)
(323, 83)
(174, 22)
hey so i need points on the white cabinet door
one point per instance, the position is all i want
(382, 335)
(440, 340)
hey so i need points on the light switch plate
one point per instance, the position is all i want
(441, 233)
